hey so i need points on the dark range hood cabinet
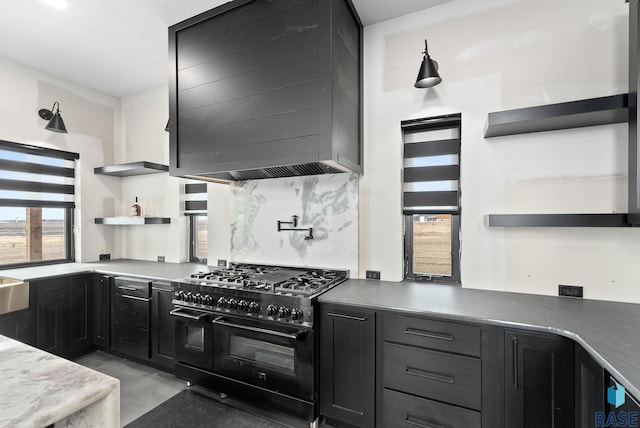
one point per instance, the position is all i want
(262, 89)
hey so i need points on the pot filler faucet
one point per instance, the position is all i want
(294, 224)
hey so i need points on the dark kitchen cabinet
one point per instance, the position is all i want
(430, 372)
(539, 386)
(131, 317)
(627, 413)
(101, 310)
(347, 365)
(262, 89)
(63, 305)
(162, 325)
(589, 392)
(52, 315)
(19, 326)
(80, 314)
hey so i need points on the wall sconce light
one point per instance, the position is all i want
(428, 75)
(56, 124)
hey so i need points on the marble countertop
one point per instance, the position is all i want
(38, 389)
(609, 331)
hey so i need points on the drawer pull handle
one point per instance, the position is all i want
(128, 288)
(430, 375)
(348, 317)
(515, 364)
(417, 422)
(429, 334)
(142, 299)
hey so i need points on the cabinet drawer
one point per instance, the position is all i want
(130, 340)
(132, 311)
(453, 379)
(132, 287)
(406, 411)
(427, 333)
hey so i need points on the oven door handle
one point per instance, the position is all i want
(293, 336)
(180, 312)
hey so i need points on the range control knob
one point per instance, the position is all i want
(254, 308)
(221, 302)
(243, 306)
(272, 310)
(197, 298)
(296, 314)
(207, 300)
(232, 304)
(284, 312)
(188, 297)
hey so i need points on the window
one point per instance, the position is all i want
(431, 198)
(36, 205)
(195, 206)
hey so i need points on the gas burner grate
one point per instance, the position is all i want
(271, 279)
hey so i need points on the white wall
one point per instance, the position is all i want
(496, 55)
(92, 122)
(144, 117)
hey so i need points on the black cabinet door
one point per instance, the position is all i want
(80, 317)
(162, 325)
(589, 393)
(52, 315)
(19, 326)
(347, 365)
(538, 380)
(101, 310)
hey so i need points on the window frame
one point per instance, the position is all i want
(195, 205)
(193, 239)
(69, 208)
(427, 124)
(454, 278)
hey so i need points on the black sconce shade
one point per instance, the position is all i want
(56, 124)
(428, 75)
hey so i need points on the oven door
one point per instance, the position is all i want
(276, 357)
(194, 337)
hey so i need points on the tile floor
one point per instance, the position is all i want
(141, 388)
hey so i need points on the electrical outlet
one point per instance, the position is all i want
(105, 256)
(569, 290)
(373, 274)
(161, 258)
(222, 263)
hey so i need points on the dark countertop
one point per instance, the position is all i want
(132, 268)
(609, 331)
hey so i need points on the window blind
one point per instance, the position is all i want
(195, 198)
(32, 176)
(431, 165)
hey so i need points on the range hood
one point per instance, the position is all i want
(316, 168)
(262, 89)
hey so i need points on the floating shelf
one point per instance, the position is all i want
(573, 114)
(556, 220)
(132, 221)
(131, 168)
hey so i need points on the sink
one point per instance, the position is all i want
(14, 295)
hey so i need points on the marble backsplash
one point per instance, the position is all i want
(328, 203)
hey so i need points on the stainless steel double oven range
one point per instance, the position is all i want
(248, 331)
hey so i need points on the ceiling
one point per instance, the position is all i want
(119, 47)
